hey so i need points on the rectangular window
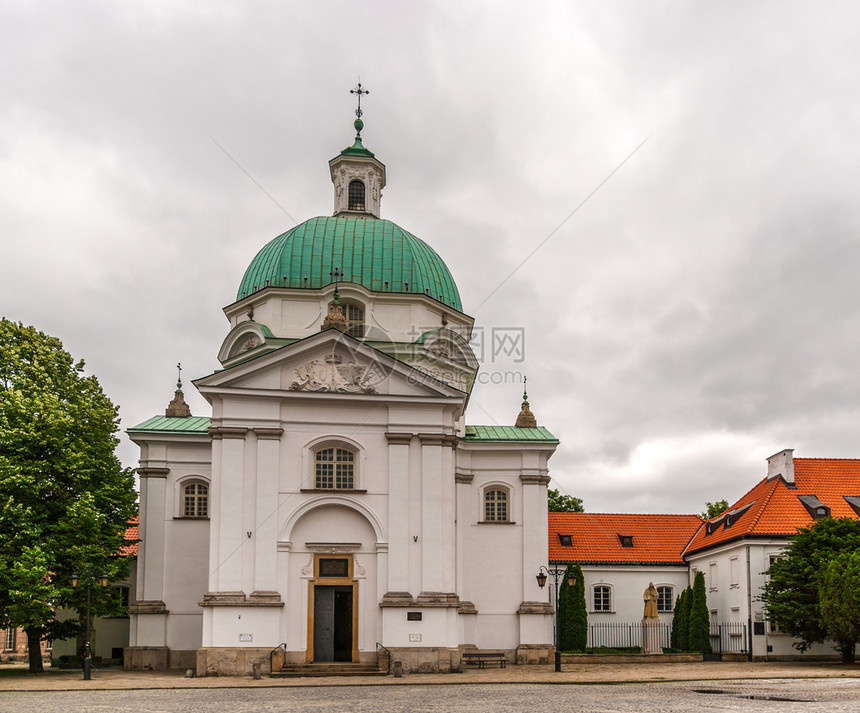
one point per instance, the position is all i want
(123, 594)
(712, 576)
(735, 571)
(664, 599)
(602, 599)
(9, 639)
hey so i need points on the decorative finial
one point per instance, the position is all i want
(526, 419)
(358, 123)
(358, 91)
(336, 275)
(177, 408)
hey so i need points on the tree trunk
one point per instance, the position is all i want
(846, 648)
(34, 650)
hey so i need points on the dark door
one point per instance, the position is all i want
(332, 624)
(343, 624)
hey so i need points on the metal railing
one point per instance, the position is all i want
(281, 652)
(729, 638)
(624, 635)
(726, 637)
(383, 658)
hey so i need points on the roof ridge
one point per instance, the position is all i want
(633, 514)
(830, 459)
(765, 500)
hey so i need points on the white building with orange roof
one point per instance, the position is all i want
(620, 555)
(735, 550)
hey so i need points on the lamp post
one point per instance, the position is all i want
(541, 580)
(103, 582)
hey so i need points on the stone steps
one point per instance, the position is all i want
(328, 669)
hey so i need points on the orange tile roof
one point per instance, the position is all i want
(657, 539)
(774, 508)
(131, 535)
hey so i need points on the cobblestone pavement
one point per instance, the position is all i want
(15, 678)
(833, 695)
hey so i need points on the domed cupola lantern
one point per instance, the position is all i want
(358, 177)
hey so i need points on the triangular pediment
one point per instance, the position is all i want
(329, 362)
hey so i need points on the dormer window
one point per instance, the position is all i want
(356, 195)
(817, 509)
(854, 502)
(626, 540)
(565, 540)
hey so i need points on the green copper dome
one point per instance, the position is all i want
(372, 252)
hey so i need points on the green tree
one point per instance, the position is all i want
(65, 499)
(699, 637)
(839, 593)
(556, 502)
(792, 596)
(681, 621)
(572, 614)
(714, 509)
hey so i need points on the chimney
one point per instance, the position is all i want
(781, 463)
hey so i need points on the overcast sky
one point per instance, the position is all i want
(696, 314)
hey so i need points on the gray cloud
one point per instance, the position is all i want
(699, 313)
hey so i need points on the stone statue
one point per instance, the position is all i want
(650, 596)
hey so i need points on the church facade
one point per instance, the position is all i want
(335, 504)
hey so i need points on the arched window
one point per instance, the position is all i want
(356, 195)
(496, 505)
(195, 500)
(602, 598)
(334, 469)
(354, 315)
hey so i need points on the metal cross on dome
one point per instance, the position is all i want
(358, 91)
(179, 376)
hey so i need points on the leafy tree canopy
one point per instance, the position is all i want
(714, 509)
(839, 593)
(65, 499)
(556, 502)
(793, 594)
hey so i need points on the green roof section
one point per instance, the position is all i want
(509, 434)
(371, 252)
(166, 424)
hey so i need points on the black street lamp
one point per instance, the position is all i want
(557, 574)
(103, 582)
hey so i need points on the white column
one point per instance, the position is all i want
(464, 499)
(448, 516)
(265, 538)
(153, 504)
(431, 510)
(535, 544)
(398, 511)
(225, 566)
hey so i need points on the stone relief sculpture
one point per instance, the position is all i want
(335, 376)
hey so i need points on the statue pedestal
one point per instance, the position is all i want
(651, 636)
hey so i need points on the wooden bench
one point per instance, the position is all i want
(482, 657)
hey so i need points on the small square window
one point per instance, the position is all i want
(626, 540)
(565, 540)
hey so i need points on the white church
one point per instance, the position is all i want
(335, 505)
